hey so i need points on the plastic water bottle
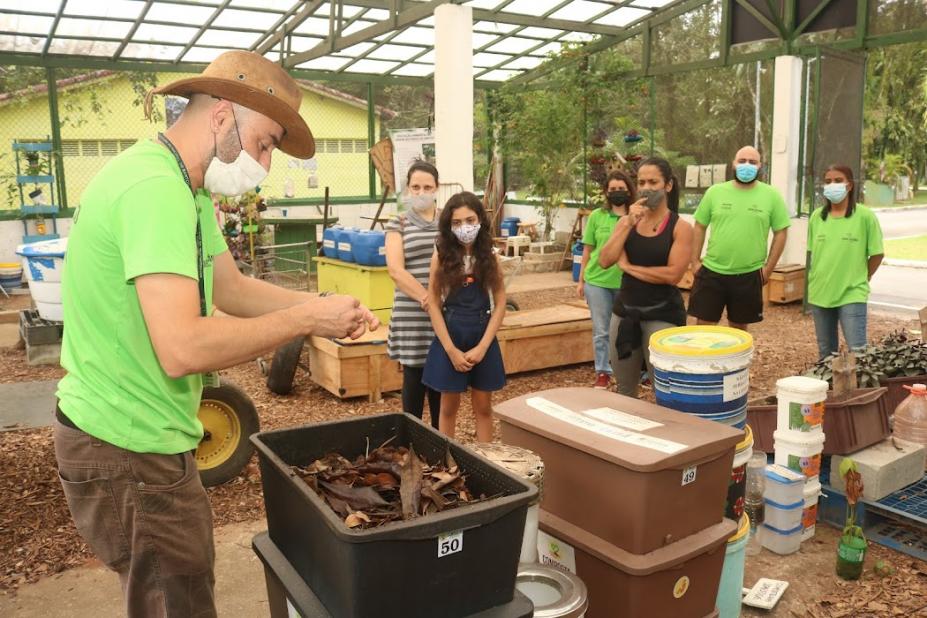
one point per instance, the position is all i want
(753, 499)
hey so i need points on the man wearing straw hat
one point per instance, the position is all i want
(146, 262)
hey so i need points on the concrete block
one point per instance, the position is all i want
(45, 354)
(885, 467)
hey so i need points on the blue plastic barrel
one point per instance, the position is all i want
(510, 226)
(330, 242)
(345, 243)
(577, 259)
(369, 248)
(704, 371)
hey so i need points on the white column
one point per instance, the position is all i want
(454, 95)
(783, 159)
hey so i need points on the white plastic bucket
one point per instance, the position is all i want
(800, 403)
(799, 451)
(783, 516)
(809, 516)
(43, 263)
(11, 275)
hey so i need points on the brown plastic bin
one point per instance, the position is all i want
(680, 580)
(614, 481)
(897, 391)
(850, 425)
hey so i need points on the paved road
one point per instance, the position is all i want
(901, 223)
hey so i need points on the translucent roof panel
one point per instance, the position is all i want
(377, 38)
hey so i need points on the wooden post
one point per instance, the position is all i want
(376, 217)
(922, 314)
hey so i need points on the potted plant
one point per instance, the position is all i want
(851, 549)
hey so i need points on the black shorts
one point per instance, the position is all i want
(742, 295)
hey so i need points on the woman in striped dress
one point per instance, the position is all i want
(410, 243)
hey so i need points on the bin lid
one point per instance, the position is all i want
(638, 565)
(803, 385)
(634, 434)
(44, 248)
(701, 341)
(781, 474)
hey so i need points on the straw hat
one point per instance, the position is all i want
(253, 81)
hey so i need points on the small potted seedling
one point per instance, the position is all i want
(851, 550)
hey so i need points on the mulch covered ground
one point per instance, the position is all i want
(37, 537)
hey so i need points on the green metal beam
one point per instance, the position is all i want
(52, 84)
(774, 28)
(545, 22)
(862, 21)
(725, 30)
(54, 26)
(203, 28)
(811, 16)
(133, 29)
(284, 27)
(337, 43)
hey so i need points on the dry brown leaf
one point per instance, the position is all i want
(356, 519)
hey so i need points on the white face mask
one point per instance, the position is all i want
(235, 178)
(423, 202)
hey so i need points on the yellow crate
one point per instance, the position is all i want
(371, 285)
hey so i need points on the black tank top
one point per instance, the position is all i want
(649, 251)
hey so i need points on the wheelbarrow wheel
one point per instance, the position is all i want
(283, 366)
(511, 305)
(229, 418)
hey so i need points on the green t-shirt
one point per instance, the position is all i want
(599, 227)
(840, 250)
(136, 217)
(740, 221)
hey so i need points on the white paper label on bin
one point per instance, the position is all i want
(736, 385)
(450, 543)
(688, 475)
(554, 552)
(382, 250)
(344, 246)
(622, 419)
(603, 429)
(328, 244)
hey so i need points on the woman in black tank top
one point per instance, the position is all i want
(652, 246)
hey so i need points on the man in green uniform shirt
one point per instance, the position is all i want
(737, 264)
(145, 264)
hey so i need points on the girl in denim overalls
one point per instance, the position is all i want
(464, 275)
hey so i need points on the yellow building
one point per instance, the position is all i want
(101, 115)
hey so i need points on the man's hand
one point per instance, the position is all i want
(459, 360)
(765, 272)
(339, 316)
(580, 290)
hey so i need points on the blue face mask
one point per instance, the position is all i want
(746, 172)
(835, 192)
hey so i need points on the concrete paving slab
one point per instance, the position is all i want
(9, 334)
(27, 404)
(94, 591)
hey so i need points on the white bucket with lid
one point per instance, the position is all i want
(783, 486)
(799, 451)
(801, 403)
(781, 541)
(43, 263)
(809, 515)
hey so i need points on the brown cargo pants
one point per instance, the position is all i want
(145, 516)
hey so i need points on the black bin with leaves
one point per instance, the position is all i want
(394, 570)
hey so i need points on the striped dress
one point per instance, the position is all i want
(410, 332)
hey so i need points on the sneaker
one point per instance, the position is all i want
(602, 381)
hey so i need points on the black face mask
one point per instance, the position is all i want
(619, 198)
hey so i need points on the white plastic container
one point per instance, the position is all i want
(43, 263)
(781, 541)
(783, 516)
(809, 514)
(783, 486)
(800, 403)
(799, 451)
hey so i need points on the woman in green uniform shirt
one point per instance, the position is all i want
(845, 247)
(600, 285)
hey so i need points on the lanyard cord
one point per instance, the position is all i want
(200, 267)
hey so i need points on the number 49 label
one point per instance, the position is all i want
(688, 475)
(450, 543)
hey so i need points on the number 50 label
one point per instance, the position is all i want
(450, 543)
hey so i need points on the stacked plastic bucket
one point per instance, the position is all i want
(799, 439)
(783, 509)
(703, 370)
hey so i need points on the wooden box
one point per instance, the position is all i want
(787, 284)
(543, 338)
(358, 368)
